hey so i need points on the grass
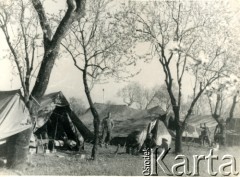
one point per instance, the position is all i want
(122, 164)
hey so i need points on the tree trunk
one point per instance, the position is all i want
(233, 107)
(180, 127)
(222, 129)
(45, 72)
(74, 11)
(96, 123)
(178, 141)
(96, 119)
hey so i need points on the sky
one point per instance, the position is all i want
(66, 78)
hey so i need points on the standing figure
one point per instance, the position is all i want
(220, 133)
(107, 127)
(205, 135)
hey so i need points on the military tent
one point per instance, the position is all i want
(57, 119)
(126, 120)
(15, 127)
(193, 129)
(191, 133)
(157, 110)
(158, 131)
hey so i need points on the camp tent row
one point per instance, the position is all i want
(16, 126)
(56, 113)
(127, 120)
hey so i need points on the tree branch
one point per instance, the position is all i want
(73, 57)
(47, 32)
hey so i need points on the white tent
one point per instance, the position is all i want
(14, 116)
(158, 130)
(15, 128)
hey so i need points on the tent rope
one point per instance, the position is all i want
(35, 100)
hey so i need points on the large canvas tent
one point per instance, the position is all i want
(158, 130)
(56, 118)
(153, 134)
(15, 127)
(14, 116)
(157, 110)
(126, 120)
(193, 129)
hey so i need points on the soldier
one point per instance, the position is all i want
(205, 134)
(220, 132)
(107, 126)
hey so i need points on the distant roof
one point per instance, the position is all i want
(196, 120)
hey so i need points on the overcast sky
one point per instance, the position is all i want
(66, 78)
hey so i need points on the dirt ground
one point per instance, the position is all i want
(121, 164)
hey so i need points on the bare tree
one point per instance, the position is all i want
(51, 39)
(130, 93)
(134, 94)
(217, 98)
(77, 105)
(98, 45)
(23, 47)
(227, 86)
(163, 98)
(144, 98)
(233, 105)
(175, 30)
(149, 96)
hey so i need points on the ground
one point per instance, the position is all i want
(109, 163)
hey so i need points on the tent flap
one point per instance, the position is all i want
(14, 117)
(56, 105)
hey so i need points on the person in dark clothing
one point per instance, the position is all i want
(205, 134)
(220, 133)
(107, 127)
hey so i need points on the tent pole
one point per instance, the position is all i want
(55, 134)
(42, 143)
